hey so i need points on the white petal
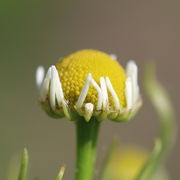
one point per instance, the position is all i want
(88, 110)
(89, 107)
(39, 76)
(104, 92)
(132, 69)
(129, 93)
(113, 93)
(52, 95)
(132, 72)
(113, 56)
(100, 98)
(66, 109)
(59, 90)
(84, 92)
(45, 85)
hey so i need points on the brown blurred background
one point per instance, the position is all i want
(39, 32)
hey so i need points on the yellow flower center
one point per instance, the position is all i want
(73, 71)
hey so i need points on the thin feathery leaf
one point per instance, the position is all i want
(61, 173)
(24, 165)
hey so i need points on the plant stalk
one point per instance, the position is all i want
(87, 133)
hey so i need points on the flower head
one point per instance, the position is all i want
(126, 162)
(90, 83)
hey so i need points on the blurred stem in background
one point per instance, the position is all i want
(87, 133)
(162, 104)
(104, 169)
(151, 168)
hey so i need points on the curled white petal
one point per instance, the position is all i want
(45, 85)
(104, 92)
(52, 94)
(84, 92)
(100, 98)
(59, 91)
(89, 107)
(113, 93)
(132, 72)
(66, 109)
(39, 76)
(132, 69)
(129, 93)
(113, 56)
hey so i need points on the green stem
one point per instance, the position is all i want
(87, 133)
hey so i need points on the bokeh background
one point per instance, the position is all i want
(36, 33)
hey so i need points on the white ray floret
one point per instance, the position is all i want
(132, 72)
(100, 98)
(113, 93)
(45, 85)
(39, 76)
(113, 56)
(89, 107)
(104, 92)
(53, 85)
(84, 92)
(129, 93)
(66, 109)
(59, 92)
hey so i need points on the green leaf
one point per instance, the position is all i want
(24, 165)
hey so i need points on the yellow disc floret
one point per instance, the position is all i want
(73, 71)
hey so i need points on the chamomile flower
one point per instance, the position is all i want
(126, 162)
(90, 83)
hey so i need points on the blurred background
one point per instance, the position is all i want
(39, 32)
